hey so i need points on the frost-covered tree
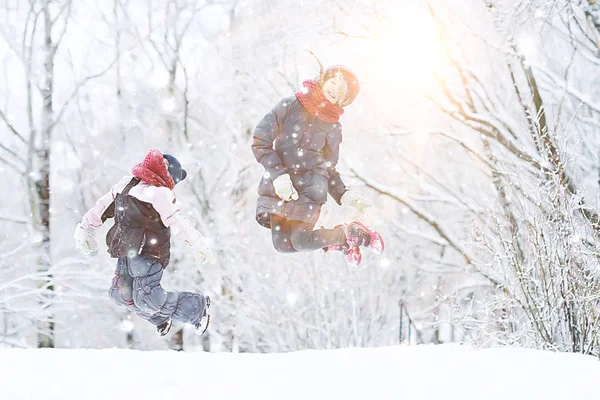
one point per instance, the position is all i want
(522, 122)
(475, 135)
(41, 26)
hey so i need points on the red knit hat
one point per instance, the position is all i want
(153, 170)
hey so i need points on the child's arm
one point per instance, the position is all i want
(163, 201)
(336, 186)
(265, 134)
(96, 215)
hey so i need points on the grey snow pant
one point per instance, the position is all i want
(136, 286)
(291, 236)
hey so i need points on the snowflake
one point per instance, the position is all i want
(127, 326)
(169, 104)
(160, 78)
(291, 298)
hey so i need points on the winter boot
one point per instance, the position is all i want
(353, 255)
(358, 234)
(202, 325)
(164, 328)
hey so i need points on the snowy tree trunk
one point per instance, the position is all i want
(172, 130)
(46, 335)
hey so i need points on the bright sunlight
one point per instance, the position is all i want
(411, 52)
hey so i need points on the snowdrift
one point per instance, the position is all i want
(448, 372)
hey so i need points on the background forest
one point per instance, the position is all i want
(476, 136)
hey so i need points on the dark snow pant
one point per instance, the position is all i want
(290, 236)
(136, 286)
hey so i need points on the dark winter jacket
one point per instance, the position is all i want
(138, 228)
(291, 140)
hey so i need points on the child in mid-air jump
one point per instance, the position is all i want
(298, 145)
(145, 212)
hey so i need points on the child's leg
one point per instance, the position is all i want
(121, 290)
(358, 234)
(280, 234)
(305, 238)
(154, 301)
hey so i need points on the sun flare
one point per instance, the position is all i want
(411, 51)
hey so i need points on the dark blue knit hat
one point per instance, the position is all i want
(175, 170)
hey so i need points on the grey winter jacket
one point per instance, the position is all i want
(291, 140)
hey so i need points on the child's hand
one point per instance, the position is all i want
(356, 200)
(284, 188)
(85, 240)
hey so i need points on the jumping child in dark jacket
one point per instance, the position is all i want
(298, 145)
(145, 212)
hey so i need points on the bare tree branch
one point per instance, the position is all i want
(12, 128)
(76, 90)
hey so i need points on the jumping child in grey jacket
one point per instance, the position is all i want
(297, 143)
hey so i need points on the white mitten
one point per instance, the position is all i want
(284, 188)
(356, 200)
(85, 240)
(202, 253)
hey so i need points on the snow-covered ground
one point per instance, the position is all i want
(448, 372)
